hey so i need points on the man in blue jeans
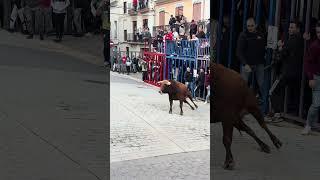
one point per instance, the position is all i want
(188, 79)
(312, 69)
(251, 52)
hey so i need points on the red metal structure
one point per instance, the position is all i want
(156, 63)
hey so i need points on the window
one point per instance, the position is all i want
(124, 7)
(197, 12)
(115, 29)
(179, 11)
(134, 27)
(145, 23)
(125, 35)
(162, 16)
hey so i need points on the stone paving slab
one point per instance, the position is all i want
(182, 166)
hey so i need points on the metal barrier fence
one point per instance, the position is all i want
(172, 59)
(274, 17)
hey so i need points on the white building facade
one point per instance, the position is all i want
(127, 22)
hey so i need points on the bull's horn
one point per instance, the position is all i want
(160, 82)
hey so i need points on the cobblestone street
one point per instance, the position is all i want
(298, 159)
(141, 126)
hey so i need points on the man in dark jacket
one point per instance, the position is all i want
(201, 34)
(251, 52)
(291, 56)
(193, 28)
(188, 79)
(200, 82)
(312, 69)
(172, 21)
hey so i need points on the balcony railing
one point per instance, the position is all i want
(142, 7)
(134, 38)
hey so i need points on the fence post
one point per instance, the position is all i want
(219, 31)
(303, 80)
(233, 12)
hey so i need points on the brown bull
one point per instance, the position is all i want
(176, 91)
(232, 100)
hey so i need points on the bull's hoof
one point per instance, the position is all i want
(229, 165)
(170, 112)
(181, 113)
(265, 148)
(196, 106)
(192, 108)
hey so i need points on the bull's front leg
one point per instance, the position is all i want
(181, 104)
(171, 102)
(227, 141)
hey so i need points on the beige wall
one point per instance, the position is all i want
(170, 9)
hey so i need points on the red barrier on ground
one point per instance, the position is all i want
(156, 63)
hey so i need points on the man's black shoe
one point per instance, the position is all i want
(30, 37)
(41, 37)
(11, 30)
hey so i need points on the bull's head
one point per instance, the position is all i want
(164, 86)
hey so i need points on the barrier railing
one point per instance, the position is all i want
(172, 59)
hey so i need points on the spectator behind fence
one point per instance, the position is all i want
(30, 8)
(17, 10)
(251, 52)
(168, 42)
(97, 21)
(291, 57)
(200, 83)
(207, 85)
(59, 8)
(80, 8)
(188, 79)
(175, 34)
(201, 34)
(312, 70)
(128, 65)
(172, 21)
(193, 28)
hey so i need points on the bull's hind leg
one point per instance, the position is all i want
(181, 104)
(171, 102)
(189, 104)
(256, 113)
(190, 97)
(227, 141)
(243, 127)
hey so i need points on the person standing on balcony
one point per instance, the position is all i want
(135, 4)
(312, 70)
(193, 28)
(141, 4)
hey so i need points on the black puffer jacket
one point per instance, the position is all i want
(251, 48)
(291, 56)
